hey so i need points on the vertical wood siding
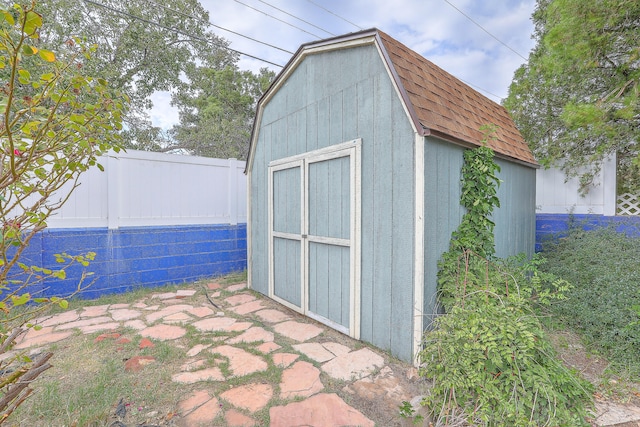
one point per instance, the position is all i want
(330, 98)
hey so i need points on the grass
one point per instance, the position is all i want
(602, 308)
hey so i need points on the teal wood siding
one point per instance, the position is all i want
(332, 97)
(443, 212)
(516, 218)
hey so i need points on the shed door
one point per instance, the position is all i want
(314, 262)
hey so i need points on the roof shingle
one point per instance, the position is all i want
(444, 104)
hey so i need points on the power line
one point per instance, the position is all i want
(335, 14)
(177, 31)
(219, 27)
(295, 17)
(278, 19)
(483, 29)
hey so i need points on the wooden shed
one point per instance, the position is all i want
(354, 185)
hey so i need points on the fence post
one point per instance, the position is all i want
(609, 179)
(113, 182)
(232, 191)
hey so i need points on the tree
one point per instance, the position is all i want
(56, 122)
(216, 105)
(144, 47)
(576, 101)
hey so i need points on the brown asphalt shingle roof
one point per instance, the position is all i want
(445, 106)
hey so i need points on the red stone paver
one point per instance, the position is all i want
(214, 324)
(234, 418)
(283, 360)
(145, 343)
(268, 347)
(43, 339)
(240, 299)
(209, 374)
(163, 332)
(354, 365)
(196, 349)
(58, 319)
(99, 327)
(123, 340)
(199, 410)
(107, 336)
(315, 351)
(136, 324)
(136, 363)
(272, 316)
(253, 334)
(241, 363)
(298, 331)
(124, 314)
(248, 307)
(85, 322)
(300, 380)
(177, 318)
(94, 311)
(237, 287)
(214, 286)
(251, 397)
(201, 311)
(322, 410)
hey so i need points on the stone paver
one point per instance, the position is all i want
(82, 323)
(315, 351)
(300, 380)
(199, 410)
(268, 347)
(192, 377)
(196, 349)
(251, 397)
(43, 339)
(354, 365)
(58, 319)
(322, 410)
(241, 363)
(272, 316)
(383, 387)
(94, 311)
(613, 414)
(214, 324)
(136, 363)
(124, 314)
(234, 418)
(298, 331)
(248, 307)
(185, 292)
(282, 360)
(180, 317)
(253, 334)
(89, 329)
(237, 287)
(167, 311)
(163, 332)
(136, 324)
(239, 299)
(201, 311)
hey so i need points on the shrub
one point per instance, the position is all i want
(602, 307)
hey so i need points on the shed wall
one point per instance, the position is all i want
(515, 219)
(332, 97)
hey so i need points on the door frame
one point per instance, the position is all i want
(353, 150)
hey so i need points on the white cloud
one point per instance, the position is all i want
(433, 28)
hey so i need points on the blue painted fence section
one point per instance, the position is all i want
(549, 226)
(132, 257)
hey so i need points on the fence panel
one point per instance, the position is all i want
(139, 188)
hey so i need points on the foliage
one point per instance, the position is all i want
(56, 122)
(577, 99)
(490, 359)
(603, 305)
(488, 356)
(146, 47)
(217, 104)
(479, 182)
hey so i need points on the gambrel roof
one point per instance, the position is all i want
(439, 104)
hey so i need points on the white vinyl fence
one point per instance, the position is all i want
(140, 188)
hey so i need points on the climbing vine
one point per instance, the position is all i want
(488, 357)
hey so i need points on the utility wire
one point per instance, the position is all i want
(219, 27)
(483, 29)
(175, 30)
(335, 14)
(295, 17)
(278, 19)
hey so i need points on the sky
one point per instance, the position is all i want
(436, 29)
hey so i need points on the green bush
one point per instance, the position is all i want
(489, 357)
(602, 307)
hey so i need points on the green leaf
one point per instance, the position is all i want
(63, 303)
(7, 16)
(20, 300)
(32, 22)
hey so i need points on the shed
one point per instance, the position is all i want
(354, 185)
